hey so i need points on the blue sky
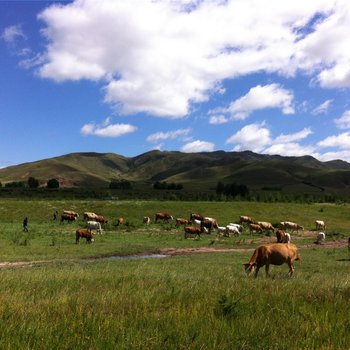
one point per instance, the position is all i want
(127, 77)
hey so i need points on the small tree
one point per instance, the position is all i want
(53, 183)
(33, 182)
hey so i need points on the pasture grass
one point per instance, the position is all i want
(188, 302)
(78, 298)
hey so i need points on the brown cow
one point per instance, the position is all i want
(209, 224)
(68, 217)
(83, 233)
(275, 254)
(101, 219)
(255, 228)
(181, 221)
(194, 216)
(71, 212)
(193, 230)
(163, 216)
(280, 234)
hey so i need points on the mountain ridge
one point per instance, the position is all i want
(194, 170)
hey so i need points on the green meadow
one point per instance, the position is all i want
(86, 296)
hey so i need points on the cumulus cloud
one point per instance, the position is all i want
(198, 146)
(162, 57)
(253, 137)
(169, 135)
(344, 121)
(107, 130)
(341, 141)
(257, 138)
(289, 149)
(262, 97)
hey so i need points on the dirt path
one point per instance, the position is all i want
(204, 250)
(190, 251)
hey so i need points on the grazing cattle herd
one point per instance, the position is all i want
(264, 255)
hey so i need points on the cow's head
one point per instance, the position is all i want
(249, 268)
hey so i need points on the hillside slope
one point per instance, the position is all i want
(193, 170)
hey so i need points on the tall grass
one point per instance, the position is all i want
(189, 302)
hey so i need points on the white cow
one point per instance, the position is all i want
(146, 220)
(240, 227)
(321, 237)
(94, 225)
(320, 225)
(232, 229)
(286, 238)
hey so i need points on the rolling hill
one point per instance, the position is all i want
(193, 170)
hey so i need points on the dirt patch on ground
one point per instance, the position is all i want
(204, 250)
(342, 243)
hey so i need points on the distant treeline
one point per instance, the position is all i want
(125, 190)
(31, 183)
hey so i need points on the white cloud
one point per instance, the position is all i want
(12, 33)
(289, 149)
(257, 138)
(253, 137)
(198, 146)
(344, 121)
(262, 97)
(107, 130)
(293, 137)
(341, 141)
(218, 119)
(161, 57)
(162, 136)
(343, 155)
(322, 108)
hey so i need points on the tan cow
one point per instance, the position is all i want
(89, 215)
(292, 226)
(266, 226)
(273, 254)
(120, 221)
(320, 225)
(255, 228)
(245, 219)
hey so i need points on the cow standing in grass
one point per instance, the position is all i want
(163, 216)
(83, 233)
(273, 254)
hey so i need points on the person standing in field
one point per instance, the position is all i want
(25, 224)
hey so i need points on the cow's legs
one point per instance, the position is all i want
(291, 269)
(267, 267)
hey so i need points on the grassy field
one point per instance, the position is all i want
(77, 297)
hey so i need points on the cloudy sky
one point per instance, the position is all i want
(127, 77)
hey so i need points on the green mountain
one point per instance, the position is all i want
(194, 170)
